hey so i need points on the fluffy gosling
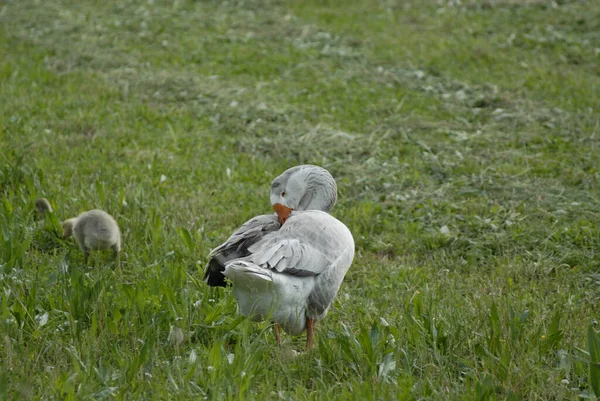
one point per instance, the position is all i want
(94, 230)
(42, 205)
(46, 238)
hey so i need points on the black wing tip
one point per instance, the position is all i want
(215, 280)
(299, 272)
(214, 276)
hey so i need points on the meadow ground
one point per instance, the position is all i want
(464, 137)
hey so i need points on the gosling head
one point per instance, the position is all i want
(67, 226)
(42, 206)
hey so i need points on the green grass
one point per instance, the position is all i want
(464, 140)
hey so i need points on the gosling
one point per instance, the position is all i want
(46, 238)
(94, 230)
(42, 206)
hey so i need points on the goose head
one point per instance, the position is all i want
(305, 187)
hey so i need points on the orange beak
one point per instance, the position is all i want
(283, 212)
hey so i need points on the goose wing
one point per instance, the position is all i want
(308, 244)
(237, 246)
(290, 255)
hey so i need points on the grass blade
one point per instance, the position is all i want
(594, 349)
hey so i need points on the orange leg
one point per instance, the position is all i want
(310, 332)
(278, 333)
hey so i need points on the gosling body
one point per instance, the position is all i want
(94, 230)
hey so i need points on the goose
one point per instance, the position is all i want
(94, 230)
(289, 265)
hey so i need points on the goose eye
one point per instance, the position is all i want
(283, 193)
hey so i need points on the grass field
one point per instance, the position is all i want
(464, 137)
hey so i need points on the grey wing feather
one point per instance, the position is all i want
(237, 246)
(249, 233)
(288, 256)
